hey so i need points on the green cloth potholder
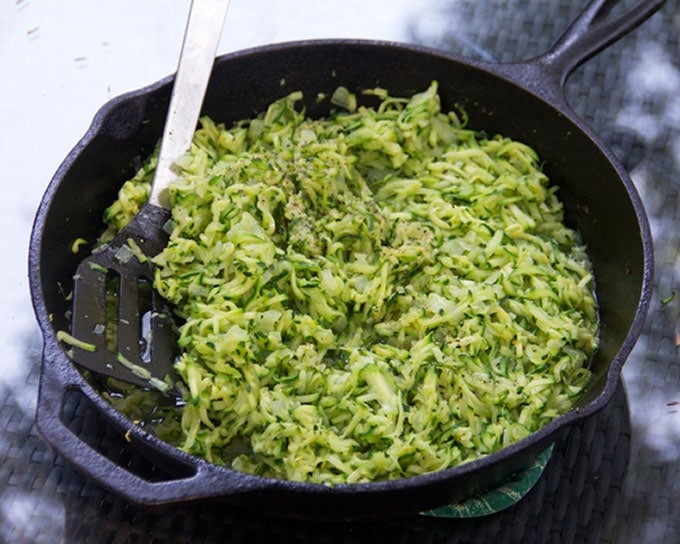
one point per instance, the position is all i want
(490, 502)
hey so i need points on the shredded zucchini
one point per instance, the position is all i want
(375, 295)
(68, 339)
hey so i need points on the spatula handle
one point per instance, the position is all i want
(201, 38)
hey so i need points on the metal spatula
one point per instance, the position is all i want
(122, 327)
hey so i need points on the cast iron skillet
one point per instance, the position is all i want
(524, 100)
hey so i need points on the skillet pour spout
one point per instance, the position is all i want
(524, 101)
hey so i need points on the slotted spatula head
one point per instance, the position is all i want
(125, 325)
(121, 327)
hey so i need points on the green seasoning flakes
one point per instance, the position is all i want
(375, 295)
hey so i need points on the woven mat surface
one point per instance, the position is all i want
(614, 478)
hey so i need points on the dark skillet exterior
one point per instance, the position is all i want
(599, 199)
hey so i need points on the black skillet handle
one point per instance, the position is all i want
(591, 32)
(188, 479)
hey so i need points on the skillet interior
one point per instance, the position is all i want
(599, 203)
